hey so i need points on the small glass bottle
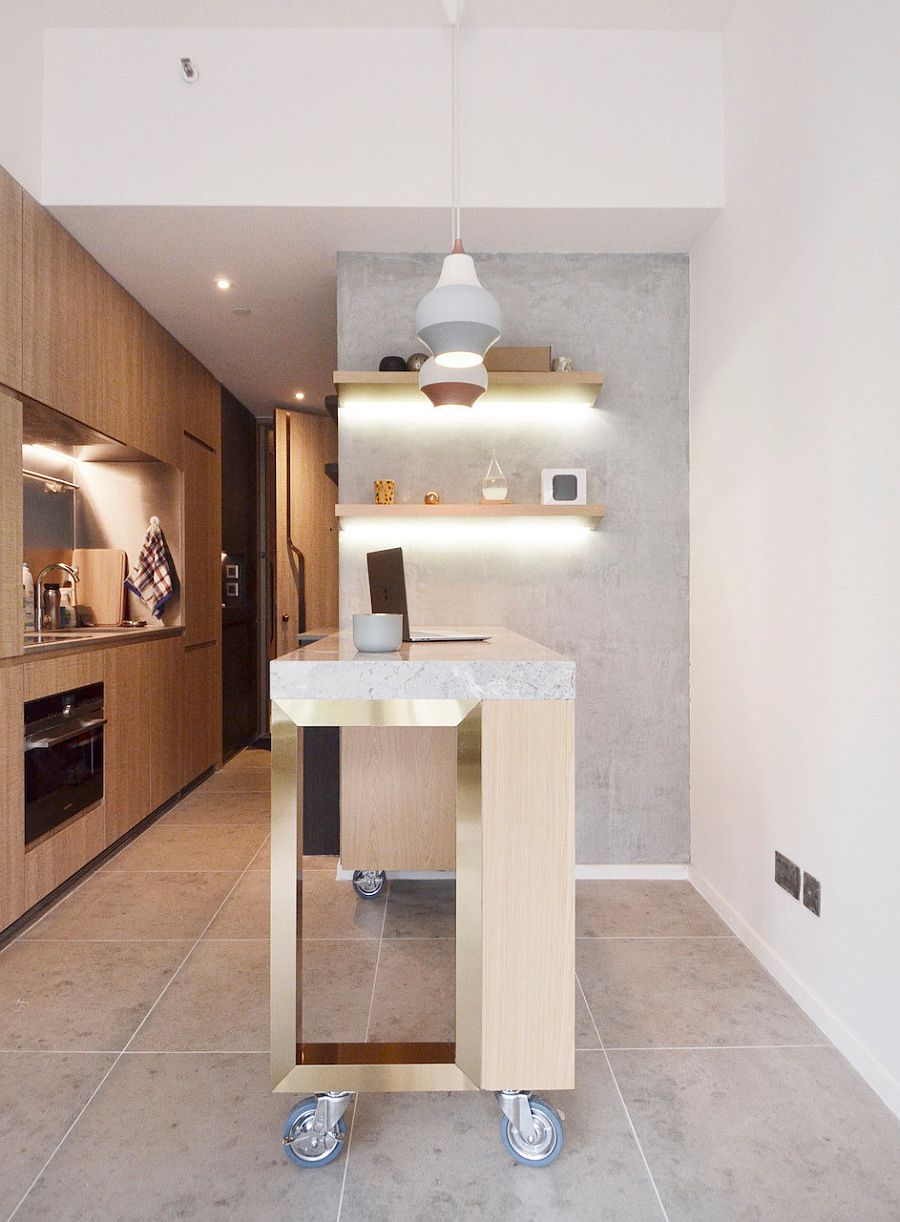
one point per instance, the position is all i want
(494, 486)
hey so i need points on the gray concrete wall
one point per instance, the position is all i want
(616, 599)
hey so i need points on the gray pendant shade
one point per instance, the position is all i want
(459, 319)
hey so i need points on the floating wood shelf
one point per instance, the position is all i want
(580, 388)
(593, 512)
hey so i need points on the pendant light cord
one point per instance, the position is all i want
(457, 136)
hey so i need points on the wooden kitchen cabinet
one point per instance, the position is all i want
(165, 667)
(202, 707)
(202, 402)
(201, 597)
(120, 326)
(162, 392)
(127, 700)
(12, 796)
(63, 296)
(10, 281)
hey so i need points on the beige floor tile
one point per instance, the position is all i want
(220, 809)
(262, 858)
(80, 995)
(585, 1033)
(219, 1001)
(685, 992)
(421, 1156)
(332, 909)
(415, 991)
(237, 778)
(638, 909)
(251, 757)
(183, 1137)
(783, 1134)
(163, 847)
(121, 904)
(245, 914)
(421, 909)
(322, 862)
(336, 990)
(40, 1095)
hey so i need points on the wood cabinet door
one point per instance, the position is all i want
(120, 329)
(165, 666)
(202, 710)
(12, 796)
(126, 740)
(201, 596)
(62, 302)
(10, 281)
(162, 392)
(201, 401)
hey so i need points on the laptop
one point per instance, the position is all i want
(387, 591)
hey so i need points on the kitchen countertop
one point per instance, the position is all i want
(507, 667)
(82, 638)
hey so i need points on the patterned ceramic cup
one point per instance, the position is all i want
(384, 492)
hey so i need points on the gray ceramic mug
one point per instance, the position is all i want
(380, 633)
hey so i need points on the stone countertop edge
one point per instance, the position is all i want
(379, 678)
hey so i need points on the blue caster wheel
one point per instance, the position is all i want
(369, 883)
(547, 1144)
(305, 1147)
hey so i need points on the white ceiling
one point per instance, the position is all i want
(282, 262)
(540, 14)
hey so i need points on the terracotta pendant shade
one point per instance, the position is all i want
(452, 387)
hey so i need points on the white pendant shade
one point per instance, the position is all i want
(459, 319)
(452, 387)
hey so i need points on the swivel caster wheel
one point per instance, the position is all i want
(368, 884)
(314, 1130)
(530, 1129)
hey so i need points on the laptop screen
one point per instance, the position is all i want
(387, 584)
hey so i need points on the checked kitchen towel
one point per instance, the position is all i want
(151, 577)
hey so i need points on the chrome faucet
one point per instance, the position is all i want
(39, 589)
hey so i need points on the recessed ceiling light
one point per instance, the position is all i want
(223, 283)
(299, 394)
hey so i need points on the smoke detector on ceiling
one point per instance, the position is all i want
(188, 71)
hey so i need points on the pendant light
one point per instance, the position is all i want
(458, 320)
(452, 387)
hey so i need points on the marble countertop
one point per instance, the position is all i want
(507, 667)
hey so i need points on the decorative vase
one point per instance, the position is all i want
(494, 486)
(384, 492)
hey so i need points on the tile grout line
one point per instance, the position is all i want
(659, 937)
(631, 1125)
(387, 900)
(127, 1045)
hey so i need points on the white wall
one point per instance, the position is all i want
(21, 86)
(795, 469)
(360, 117)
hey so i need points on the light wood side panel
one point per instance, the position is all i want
(54, 860)
(201, 580)
(528, 895)
(126, 740)
(47, 676)
(201, 401)
(303, 445)
(10, 281)
(11, 619)
(62, 303)
(202, 705)
(12, 802)
(398, 798)
(165, 663)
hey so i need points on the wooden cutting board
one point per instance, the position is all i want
(101, 584)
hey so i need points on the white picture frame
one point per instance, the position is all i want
(564, 486)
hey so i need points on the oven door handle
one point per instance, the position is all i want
(35, 741)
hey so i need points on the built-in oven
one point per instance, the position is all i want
(63, 758)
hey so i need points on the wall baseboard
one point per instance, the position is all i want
(677, 870)
(866, 1065)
